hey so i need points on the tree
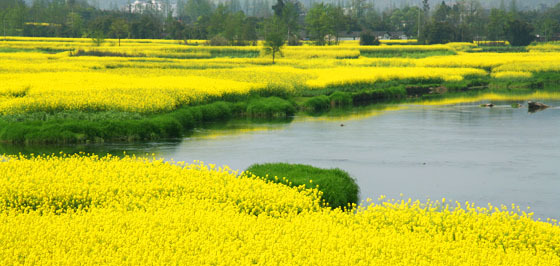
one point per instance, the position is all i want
(439, 32)
(176, 29)
(194, 9)
(101, 24)
(147, 27)
(368, 38)
(474, 19)
(442, 13)
(98, 38)
(358, 10)
(119, 28)
(338, 20)
(3, 15)
(217, 22)
(278, 8)
(422, 28)
(323, 20)
(405, 19)
(12, 13)
(233, 30)
(275, 37)
(520, 33)
(497, 25)
(426, 8)
(250, 30)
(513, 7)
(75, 24)
(291, 19)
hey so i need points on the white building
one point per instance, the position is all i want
(141, 6)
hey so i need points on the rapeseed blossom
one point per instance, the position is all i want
(91, 210)
(162, 75)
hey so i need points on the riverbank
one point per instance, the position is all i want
(83, 127)
(148, 90)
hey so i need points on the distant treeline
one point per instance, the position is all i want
(231, 23)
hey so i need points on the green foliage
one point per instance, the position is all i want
(148, 26)
(368, 38)
(439, 32)
(202, 19)
(340, 99)
(338, 187)
(98, 38)
(119, 28)
(218, 40)
(275, 37)
(233, 30)
(520, 33)
(325, 21)
(82, 127)
(291, 18)
(497, 24)
(193, 9)
(271, 107)
(316, 104)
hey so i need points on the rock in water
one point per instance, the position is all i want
(536, 106)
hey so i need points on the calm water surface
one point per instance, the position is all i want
(463, 152)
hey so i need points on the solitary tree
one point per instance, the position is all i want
(119, 28)
(98, 38)
(275, 37)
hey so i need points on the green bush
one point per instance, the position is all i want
(339, 189)
(368, 38)
(340, 99)
(319, 103)
(215, 111)
(271, 107)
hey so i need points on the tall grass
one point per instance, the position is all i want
(338, 187)
(271, 107)
(86, 127)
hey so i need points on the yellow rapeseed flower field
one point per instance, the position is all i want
(146, 76)
(89, 210)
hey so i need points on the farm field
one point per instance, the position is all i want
(63, 209)
(116, 208)
(143, 82)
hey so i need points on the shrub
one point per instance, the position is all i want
(216, 111)
(218, 40)
(270, 107)
(368, 38)
(317, 104)
(340, 99)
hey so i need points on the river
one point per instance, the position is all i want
(462, 152)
